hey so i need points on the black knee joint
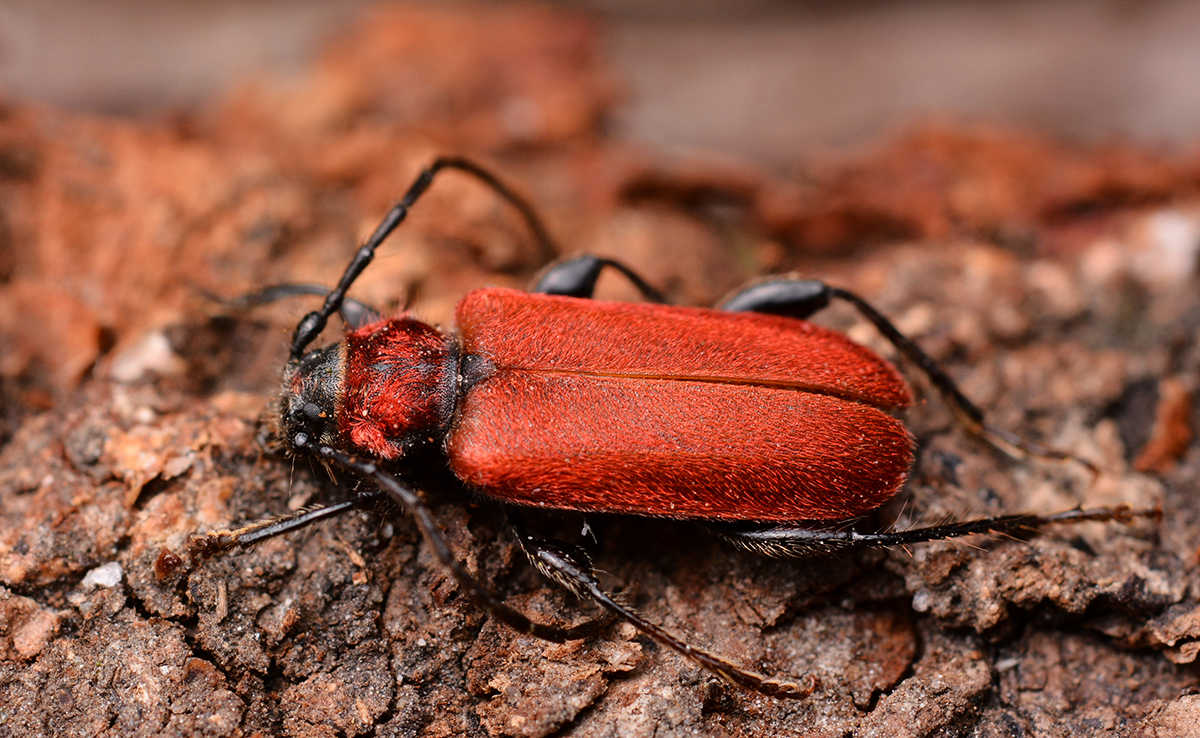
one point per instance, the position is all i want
(792, 298)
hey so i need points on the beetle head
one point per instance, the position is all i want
(308, 402)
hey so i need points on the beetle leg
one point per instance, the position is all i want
(571, 570)
(477, 593)
(782, 542)
(533, 545)
(791, 298)
(569, 567)
(576, 277)
(800, 298)
(222, 541)
(217, 542)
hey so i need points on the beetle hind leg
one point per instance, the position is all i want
(569, 567)
(795, 542)
(801, 298)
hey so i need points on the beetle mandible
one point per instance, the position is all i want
(765, 427)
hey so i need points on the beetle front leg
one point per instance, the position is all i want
(569, 567)
(801, 298)
(217, 542)
(483, 598)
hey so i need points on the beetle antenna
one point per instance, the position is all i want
(355, 313)
(791, 542)
(314, 323)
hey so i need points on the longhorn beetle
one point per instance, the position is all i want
(764, 427)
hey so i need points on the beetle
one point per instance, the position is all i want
(768, 429)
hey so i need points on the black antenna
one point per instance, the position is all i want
(314, 323)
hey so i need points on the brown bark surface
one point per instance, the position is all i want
(1057, 283)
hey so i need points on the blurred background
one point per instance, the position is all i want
(761, 78)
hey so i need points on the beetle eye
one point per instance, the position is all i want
(310, 417)
(313, 413)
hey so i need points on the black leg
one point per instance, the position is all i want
(787, 542)
(576, 277)
(314, 323)
(217, 542)
(792, 298)
(564, 564)
(801, 298)
(477, 593)
(569, 567)
(387, 488)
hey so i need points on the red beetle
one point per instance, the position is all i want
(682, 412)
(747, 418)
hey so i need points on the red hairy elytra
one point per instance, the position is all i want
(682, 412)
